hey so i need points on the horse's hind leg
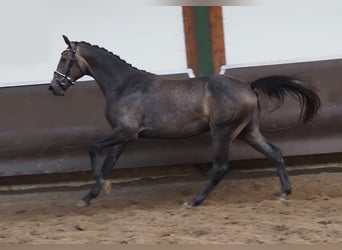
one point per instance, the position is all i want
(222, 137)
(252, 136)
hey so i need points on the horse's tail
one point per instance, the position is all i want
(280, 86)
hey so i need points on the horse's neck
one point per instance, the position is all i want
(109, 71)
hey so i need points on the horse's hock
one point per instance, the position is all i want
(41, 133)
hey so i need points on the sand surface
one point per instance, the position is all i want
(242, 209)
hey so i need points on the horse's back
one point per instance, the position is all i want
(206, 96)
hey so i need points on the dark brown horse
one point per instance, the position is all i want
(141, 104)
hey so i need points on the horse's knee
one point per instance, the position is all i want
(277, 155)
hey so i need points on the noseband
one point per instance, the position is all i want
(64, 79)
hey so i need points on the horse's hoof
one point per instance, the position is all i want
(192, 203)
(188, 204)
(282, 196)
(82, 203)
(107, 187)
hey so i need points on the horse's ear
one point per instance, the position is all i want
(67, 41)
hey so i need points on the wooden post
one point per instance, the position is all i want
(217, 37)
(190, 38)
(203, 27)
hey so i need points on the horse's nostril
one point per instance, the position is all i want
(50, 88)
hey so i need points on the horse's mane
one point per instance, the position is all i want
(110, 53)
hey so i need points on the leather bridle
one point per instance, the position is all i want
(64, 79)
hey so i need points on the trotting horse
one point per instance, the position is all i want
(142, 104)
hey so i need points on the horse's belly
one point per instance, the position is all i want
(175, 130)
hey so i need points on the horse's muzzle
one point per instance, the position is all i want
(56, 90)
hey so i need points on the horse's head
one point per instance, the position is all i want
(70, 68)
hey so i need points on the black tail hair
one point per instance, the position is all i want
(303, 90)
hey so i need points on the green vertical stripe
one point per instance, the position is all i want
(202, 30)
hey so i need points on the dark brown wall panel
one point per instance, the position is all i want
(42, 133)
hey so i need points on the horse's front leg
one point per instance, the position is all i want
(112, 157)
(117, 142)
